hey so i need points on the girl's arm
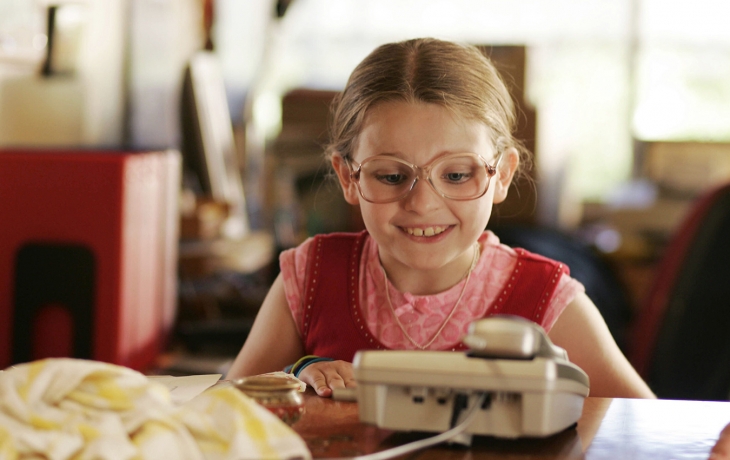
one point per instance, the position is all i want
(583, 333)
(273, 342)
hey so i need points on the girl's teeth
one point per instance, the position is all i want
(428, 231)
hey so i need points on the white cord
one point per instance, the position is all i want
(423, 443)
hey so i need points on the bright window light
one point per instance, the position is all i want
(599, 74)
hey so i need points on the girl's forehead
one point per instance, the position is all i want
(407, 127)
(397, 108)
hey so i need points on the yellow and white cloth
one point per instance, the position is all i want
(64, 408)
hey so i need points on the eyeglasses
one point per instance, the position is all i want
(457, 176)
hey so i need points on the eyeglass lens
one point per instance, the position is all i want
(456, 176)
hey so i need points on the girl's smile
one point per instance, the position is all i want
(426, 231)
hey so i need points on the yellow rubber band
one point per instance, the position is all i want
(301, 361)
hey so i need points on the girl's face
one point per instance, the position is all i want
(424, 231)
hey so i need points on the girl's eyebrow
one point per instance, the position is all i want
(390, 154)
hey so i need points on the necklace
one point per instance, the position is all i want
(467, 275)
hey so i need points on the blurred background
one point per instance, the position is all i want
(625, 105)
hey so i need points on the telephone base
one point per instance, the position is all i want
(418, 390)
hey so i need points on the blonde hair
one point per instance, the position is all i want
(457, 77)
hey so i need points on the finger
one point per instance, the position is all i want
(350, 382)
(718, 453)
(319, 383)
(344, 369)
(721, 450)
(334, 380)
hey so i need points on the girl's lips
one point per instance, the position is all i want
(429, 231)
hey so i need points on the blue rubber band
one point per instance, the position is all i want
(315, 360)
(292, 368)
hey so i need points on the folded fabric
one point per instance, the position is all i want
(64, 408)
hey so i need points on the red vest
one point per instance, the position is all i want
(333, 323)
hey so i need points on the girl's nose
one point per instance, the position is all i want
(422, 198)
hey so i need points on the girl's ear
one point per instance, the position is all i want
(505, 172)
(349, 189)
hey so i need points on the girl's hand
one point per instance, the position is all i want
(721, 450)
(326, 375)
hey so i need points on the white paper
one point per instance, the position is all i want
(183, 389)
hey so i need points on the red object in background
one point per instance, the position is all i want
(88, 254)
(52, 332)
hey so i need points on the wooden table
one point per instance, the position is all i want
(608, 429)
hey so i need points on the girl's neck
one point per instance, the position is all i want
(429, 282)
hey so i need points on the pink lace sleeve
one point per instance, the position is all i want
(566, 291)
(293, 263)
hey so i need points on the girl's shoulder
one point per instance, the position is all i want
(297, 257)
(496, 252)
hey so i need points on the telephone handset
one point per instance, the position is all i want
(510, 337)
(527, 385)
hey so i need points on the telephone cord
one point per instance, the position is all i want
(428, 442)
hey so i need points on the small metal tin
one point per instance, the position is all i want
(278, 394)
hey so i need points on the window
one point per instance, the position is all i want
(599, 73)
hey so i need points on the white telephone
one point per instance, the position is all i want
(526, 385)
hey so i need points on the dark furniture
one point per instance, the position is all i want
(681, 343)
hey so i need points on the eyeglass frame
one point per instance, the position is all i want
(420, 170)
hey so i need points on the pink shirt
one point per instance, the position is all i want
(423, 316)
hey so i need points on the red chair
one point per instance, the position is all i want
(681, 339)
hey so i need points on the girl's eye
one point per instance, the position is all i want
(457, 177)
(391, 179)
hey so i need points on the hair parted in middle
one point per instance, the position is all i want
(457, 77)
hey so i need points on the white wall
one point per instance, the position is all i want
(164, 34)
(83, 107)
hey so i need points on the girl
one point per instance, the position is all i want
(421, 140)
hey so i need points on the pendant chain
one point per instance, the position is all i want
(467, 275)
